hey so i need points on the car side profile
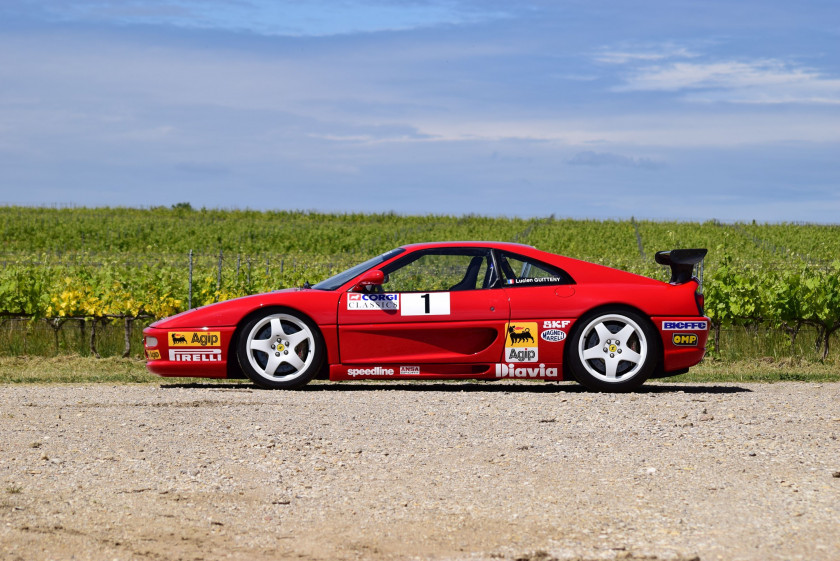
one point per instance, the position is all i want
(451, 310)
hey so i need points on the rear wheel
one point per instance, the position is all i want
(614, 351)
(280, 350)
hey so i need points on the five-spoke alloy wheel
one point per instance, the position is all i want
(280, 349)
(614, 351)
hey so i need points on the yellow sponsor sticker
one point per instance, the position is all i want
(195, 339)
(153, 355)
(522, 334)
(685, 339)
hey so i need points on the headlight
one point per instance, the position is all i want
(150, 341)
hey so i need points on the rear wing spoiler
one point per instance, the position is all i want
(682, 262)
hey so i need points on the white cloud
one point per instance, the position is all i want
(628, 56)
(759, 81)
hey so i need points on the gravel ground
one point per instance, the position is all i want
(528, 471)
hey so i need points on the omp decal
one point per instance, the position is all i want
(684, 339)
(553, 335)
(514, 371)
(520, 342)
(360, 301)
(409, 370)
(195, 355)
(375, 371)
(153, 355)
(428, 304)
(679, 325)
(194, 339)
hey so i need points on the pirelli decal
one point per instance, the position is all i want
(195, 355)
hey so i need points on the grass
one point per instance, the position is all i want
(76, 369)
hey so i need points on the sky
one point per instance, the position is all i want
(670, 109)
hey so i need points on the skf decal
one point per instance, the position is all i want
(375, 371)
(409, 370)
(684, 339)
(556, 324)
(514, 371)
(359, 301)
(520, 342)
(194, 339)
(153, 355)
(680, 325)
(196, 355)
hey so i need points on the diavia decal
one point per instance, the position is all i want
(375, 371)
(681, 325)
(520, 342)
(515, 371)
(194, 339)
(359, 301)
(195, 355)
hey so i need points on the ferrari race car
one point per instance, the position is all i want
(451, 310)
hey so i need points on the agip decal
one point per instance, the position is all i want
(521, 344)
(194, 339)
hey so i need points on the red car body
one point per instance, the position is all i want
(511, 326)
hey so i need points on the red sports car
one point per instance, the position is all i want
(483, 310)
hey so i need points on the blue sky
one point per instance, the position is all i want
(665, 110)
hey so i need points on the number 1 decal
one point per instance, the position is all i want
(427, 304)
(426, 297)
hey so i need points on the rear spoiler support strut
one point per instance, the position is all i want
(682, 262)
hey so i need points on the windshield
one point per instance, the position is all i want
(336, 281)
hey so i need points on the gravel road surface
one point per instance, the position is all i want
(515, 471)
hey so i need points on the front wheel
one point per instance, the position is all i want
(280, 350)
(614, 351)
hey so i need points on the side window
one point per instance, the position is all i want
(439, 270)
(523, 271)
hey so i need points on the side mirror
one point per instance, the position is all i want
(374, 277)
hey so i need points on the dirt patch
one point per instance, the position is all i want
(515, 471)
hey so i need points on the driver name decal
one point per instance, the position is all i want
(360, 301)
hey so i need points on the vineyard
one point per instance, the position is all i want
(106, 269)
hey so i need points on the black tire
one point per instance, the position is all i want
(613, 350)
(280, 349)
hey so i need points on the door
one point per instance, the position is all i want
(435, 307)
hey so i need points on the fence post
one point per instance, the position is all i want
(218, 279)
(189, 298)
